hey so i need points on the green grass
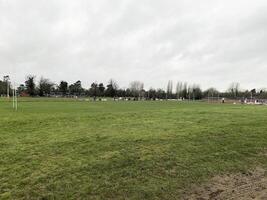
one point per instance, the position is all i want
(123, 150)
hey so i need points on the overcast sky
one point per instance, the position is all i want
(209, 42)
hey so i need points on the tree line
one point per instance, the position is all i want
(182, 90)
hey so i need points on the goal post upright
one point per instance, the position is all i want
(16, 100)
(14, 97)
(7, 93)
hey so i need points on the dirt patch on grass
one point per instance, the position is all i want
(251, 185)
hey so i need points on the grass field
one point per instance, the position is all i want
(124, 150)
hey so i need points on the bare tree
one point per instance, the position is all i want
(169, 89)
(189, 91)
(196, 91)
(136, 88)
(211, 92)
(234, 89)
(184, 90)
(112, 88)
(179, 88)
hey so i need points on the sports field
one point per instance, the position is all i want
(124, 150)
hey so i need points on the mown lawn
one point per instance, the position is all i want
(124, 150)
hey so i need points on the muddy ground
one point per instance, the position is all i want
(242, 186)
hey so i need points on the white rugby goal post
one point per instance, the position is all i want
(14, 97)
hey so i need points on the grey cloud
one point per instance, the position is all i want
(210, 42)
